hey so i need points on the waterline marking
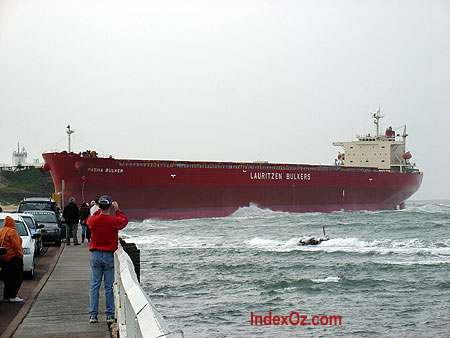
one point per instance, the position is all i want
(294, 318)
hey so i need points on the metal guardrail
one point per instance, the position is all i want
(136, 315)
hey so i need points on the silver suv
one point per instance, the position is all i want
(39, 204)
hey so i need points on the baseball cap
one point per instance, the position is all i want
(105, 200)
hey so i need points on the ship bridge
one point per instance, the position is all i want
(385, 152)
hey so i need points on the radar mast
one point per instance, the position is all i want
(69, 132)
(377, 116)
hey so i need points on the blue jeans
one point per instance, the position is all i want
(102, 264)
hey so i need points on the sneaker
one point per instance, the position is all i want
(110, 319)
(77, 244)
(16, 300)
(93, 319)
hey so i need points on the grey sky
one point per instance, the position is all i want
(226, 80)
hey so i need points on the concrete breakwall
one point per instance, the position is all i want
(136, 315)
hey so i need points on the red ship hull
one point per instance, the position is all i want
(177, 190)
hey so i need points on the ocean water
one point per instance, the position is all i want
(383, 273)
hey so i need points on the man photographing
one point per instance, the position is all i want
(104, 241)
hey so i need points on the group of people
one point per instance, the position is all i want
(99, 227)
(74, 216)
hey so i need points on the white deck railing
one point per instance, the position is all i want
(136, 315)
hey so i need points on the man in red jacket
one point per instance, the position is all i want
(104, 241)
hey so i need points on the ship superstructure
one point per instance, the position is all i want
(384, 152)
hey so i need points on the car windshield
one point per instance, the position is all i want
(45, 218)
(20, 227)
(29, 222)
(25, 206)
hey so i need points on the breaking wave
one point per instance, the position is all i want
(330, 279)
(430, 208)
(252, 210)
(355, 245)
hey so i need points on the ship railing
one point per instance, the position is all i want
(243, 166)
(136, 315)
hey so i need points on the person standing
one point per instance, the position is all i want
(11, 262)
(94, 208)
(94, 205)
(104, 241)
(85, 212)
(71, 215)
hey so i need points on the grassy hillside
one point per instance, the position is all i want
(15, 185)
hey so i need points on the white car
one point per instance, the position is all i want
(30, 221)
(28, 242)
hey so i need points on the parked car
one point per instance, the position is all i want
(51, 231)
(43, 204)
(40, 204)
(28, 242)
(34, 228)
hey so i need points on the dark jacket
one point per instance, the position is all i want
(85, 212)
(71, 213)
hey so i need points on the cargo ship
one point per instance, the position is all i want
(371, 173)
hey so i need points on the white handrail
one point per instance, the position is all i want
(136, 315)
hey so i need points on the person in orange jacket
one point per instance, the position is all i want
(11, 262)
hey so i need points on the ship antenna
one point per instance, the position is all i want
(69, 132)
(404, 136)
(377, 116)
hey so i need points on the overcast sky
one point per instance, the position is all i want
(226, 80)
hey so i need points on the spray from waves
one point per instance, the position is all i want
(253, 210)
(271, 244)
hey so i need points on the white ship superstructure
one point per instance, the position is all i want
(384, 152)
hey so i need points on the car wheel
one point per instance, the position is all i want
(30, 274)
(58, 242)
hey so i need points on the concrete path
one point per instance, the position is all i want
(12, 314)
(61, 309)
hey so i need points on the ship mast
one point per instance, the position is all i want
(69, 132)
(377, 116)
(404, 136)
